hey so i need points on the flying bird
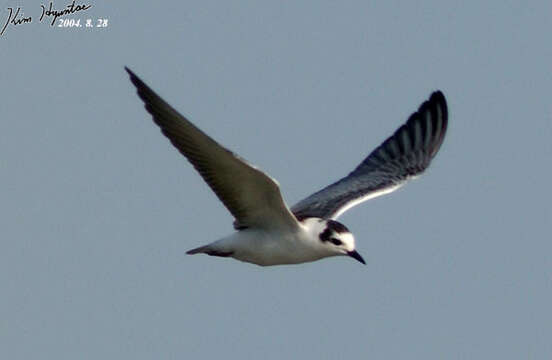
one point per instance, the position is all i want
(268, 232)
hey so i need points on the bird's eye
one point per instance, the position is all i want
(336, 242)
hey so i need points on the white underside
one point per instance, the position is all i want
(266, 248)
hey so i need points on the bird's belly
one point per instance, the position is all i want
(273, 249)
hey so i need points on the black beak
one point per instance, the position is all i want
(355, 255)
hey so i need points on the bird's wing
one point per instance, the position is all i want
(251, 196)
(402, 156)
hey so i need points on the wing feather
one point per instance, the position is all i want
(251, 196)
(404, 155)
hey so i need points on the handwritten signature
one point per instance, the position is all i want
(71, 8)
(18, 18)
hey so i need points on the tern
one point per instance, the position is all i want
(268, 232)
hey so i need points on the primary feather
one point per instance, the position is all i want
(405, 154)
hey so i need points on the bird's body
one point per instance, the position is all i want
(274, 247)
(268, 232)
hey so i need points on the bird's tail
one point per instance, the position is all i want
(209, 250)
(198, 250)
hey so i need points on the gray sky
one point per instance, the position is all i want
(97, 208)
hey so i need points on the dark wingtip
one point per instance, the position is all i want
(134, 78)
(439, 101)
(438, 97)
(130, 72)
(437, 94)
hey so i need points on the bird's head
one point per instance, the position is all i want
(333, 238)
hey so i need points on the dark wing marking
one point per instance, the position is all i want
(251, 196)
(405, 154)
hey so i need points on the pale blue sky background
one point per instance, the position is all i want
(97, 209)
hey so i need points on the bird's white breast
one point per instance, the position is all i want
(263, 247)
